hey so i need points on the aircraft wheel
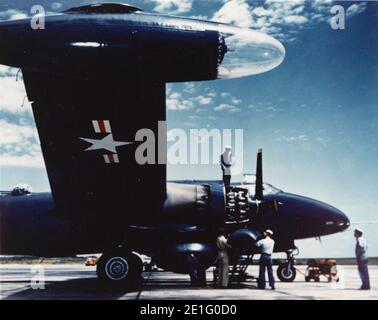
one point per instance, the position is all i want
(120, 268)
(286, 273)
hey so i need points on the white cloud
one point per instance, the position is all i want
(324, 141)
(356, 9)
(260, 11)
(175, 101)
(235, 12)
(190, 87)
(175, 95)
(236, 100)
(12, 14)
(230, 99)
(282, 19)
(12, 93)
(298, 138)
(12, 133)
(19, 145)
(226, 107)
(173, 6)
(189, 97)
(56, 5)
(26, 160)
(204, 100)
(295, 19)
(212, 94)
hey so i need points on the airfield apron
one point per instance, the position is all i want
(222, 262)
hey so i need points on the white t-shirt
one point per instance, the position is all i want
(266, 245)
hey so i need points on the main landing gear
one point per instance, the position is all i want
(120, 267)
(286, 272)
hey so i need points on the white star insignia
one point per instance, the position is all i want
(106, 143)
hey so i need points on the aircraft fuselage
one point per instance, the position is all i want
(187, 222)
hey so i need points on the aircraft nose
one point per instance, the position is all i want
(337, 220)
(311, 218)
(247, 52)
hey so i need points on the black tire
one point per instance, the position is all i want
(307, 279)
(286, 274)
(120, 268)
(317, 279)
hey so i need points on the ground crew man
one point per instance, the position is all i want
(222, 261)
(362, 259)
(226, 163)
(266, 246)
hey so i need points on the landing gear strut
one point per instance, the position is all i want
(286, 271)
(120, 268)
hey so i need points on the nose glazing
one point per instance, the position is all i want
(248, 52)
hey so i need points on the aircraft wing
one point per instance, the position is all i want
(87, 129)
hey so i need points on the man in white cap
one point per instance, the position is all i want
(226, 163)
(362, 259)
(266, 245)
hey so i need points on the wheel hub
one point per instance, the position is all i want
(287, 272)
(117, 268)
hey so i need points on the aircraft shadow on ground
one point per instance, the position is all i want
(84, 289)
(92, 288)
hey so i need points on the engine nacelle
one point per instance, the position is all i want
(176, 257)
(102, 40)
(244, 241)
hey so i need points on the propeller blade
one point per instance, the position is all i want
(259, 177)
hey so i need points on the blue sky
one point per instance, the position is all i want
(316, 115)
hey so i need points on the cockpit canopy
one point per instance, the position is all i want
(249, 182)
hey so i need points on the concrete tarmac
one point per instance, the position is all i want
(79, 282)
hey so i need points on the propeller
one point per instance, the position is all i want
(259, 177)
(259, 185)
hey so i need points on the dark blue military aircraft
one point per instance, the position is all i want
(96, 75)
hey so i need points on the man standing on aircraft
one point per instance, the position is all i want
(266, 245)
(362, 259)
(222, 261)
(226, 162)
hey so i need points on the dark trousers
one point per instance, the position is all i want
(196, 272)
(226, 180)
(364, 272)
(265, 263)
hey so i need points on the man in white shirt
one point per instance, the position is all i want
(266, 246)
(226, 163)
(362, 259)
